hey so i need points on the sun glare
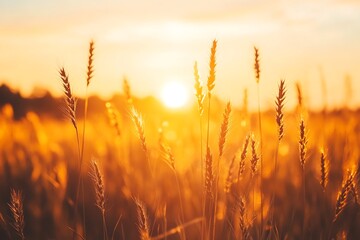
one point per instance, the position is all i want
(174, 94)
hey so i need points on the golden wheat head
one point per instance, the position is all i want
(199, 93)
(69, 98)
(212, 65)
(244, 226)
(143, 225)
(324, 170)
(302, 144)
(229, 178)
(90, 68)
(343, 195)
(224, 128)
(243, 157)
(255, 157)
(166, 152)
(257, 65)
(16, 208)
(127, 91)
(209, 175)
(139, 124)
(280, 98)
(99, 186)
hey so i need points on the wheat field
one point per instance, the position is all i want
(129, 168)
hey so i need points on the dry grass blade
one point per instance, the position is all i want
(324, 170)
(199, 93)
(143, 224)
(224, 128)
(69, 98)
(302, 144)
(343, 195)
(279, 108)
(16, 208)
(255, 157)
(257, 65)
(243, 157)
(90, 69)
(212, 65)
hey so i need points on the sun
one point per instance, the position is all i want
(174, 94)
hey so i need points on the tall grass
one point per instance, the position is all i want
(257, 78)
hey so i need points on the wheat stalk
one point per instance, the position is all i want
(209, 195)
(69, 98)
(253, 162)
(16, 208)
(199, 93)
(169, 159)
(299, 95)
(243, 157)
(100, 193)
(200, 96)
(257, 77)
(139, 124)
(90, 69)
(166, 152)
(343, 195)
(212, 65)
(99, 186)
(257, 65)
(211, 85)
(254, 156)
(280, 109)
(324, 170)
(302, 144)
(127, 91)
(71, 113)
(224, 130)
(114, 117)
(245, 235)
(209, 176)
(222, 139)
(89, 76)
(302, 155)
(229, 178)
(143, 225)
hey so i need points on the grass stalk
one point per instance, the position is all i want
(200, 99)
(257, 76)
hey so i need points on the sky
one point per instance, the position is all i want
(152, 42)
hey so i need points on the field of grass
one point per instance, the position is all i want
(214, 171)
